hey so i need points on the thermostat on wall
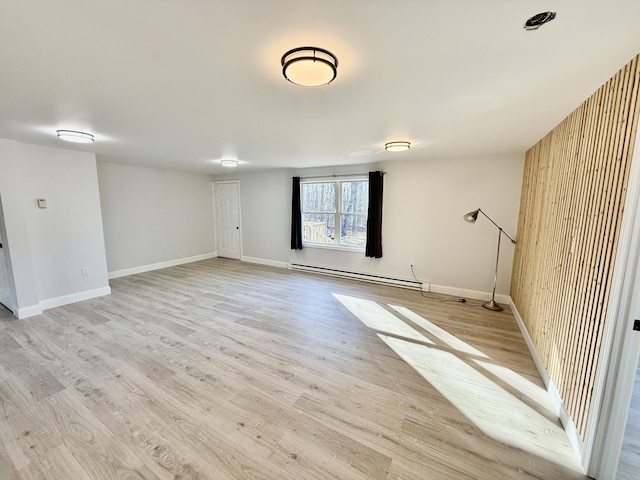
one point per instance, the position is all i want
(42, 203)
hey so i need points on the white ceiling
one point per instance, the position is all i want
(181, 83)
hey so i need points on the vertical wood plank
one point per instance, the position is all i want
(572, 202)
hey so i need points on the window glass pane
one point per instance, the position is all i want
(318, 228)
(319, 197)
(325, 222)
(353, 230)
(355, 197)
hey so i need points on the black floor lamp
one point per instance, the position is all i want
(471, 217)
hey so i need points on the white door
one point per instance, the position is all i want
(226, 198)
(5, 286)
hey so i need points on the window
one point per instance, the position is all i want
(334, 212)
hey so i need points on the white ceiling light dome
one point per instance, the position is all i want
(75, 136)
(309, 66)
(399, 146)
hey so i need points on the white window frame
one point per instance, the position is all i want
(337, 214)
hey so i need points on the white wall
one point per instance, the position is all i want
(18, 242)
(154, 217)
(424, 202)
(265, 228)
(50, 247)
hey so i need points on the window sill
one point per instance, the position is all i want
(341, 248)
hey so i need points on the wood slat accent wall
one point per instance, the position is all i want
(573, 193)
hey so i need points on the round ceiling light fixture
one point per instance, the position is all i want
(229, 163)
(538, 20)
(75, 136)
(309, 66)
(397, 146)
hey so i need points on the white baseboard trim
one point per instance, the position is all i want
(532, 349)
(74, 297)
(31, 311)
(34, 310)
(265, 261)
(567, 422)
(157, 266)
(466, 293)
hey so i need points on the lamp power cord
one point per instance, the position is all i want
(424, 294)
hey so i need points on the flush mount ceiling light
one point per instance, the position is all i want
(229, 163)
(538, 20)
(75, 136)
(309, 66)
(397, 146)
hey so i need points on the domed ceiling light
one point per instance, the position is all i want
(397, 146)
(75, 136)
(309, 66)
(229, 163)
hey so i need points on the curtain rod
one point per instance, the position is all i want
(365, 174)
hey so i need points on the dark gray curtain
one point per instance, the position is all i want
(374, 217)
(296, 216)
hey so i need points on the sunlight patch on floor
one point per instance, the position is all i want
(460, 379)
(492, 409)
(535, 393)
(443, 335)
(377, 318)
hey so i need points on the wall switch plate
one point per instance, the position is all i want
(42, 202)
(636, 325)
(85, 271)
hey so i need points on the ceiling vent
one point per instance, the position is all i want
(538, 20)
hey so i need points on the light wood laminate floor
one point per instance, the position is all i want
(227, 370)
(629, 464)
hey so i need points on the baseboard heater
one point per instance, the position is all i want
(365, 277)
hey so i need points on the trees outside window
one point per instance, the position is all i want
(334, 212)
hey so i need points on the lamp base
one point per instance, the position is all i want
(492, 305)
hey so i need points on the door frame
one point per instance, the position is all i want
(215, 220)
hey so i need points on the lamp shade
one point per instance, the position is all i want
(75, 136)
(471, 217)
(309, 66)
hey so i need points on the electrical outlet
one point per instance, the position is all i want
(85, 271)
